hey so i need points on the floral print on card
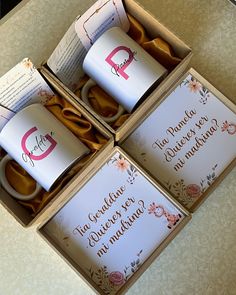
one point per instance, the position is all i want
(27, 63)
(110, 282)
(193, 85)
(121, 164)
(107, 226)
(188, 194)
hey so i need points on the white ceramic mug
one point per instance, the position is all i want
(122, 68)
(41, 144)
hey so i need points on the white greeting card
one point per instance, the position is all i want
(114, 223)
(23, 85)
(187, 141)
(67, 58)
(103, 15)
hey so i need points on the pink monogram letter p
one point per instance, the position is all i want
(120, 68)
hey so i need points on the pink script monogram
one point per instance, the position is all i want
(41, 145)
(119, 69)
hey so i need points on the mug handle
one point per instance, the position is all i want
(5, 184)
(84, 95)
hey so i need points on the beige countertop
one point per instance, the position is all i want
(202, 258)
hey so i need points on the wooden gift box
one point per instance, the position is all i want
(73, 227)
(154, 29)
(187, 141)
(19, 212)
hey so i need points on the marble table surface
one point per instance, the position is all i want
(201, 260)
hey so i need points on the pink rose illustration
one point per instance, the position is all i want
(116, 278)
(193, 190)
(122, 164)
(194, 86)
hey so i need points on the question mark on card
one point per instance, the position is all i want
(141, 202)
(215, 122)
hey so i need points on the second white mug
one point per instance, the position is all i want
(122, 68)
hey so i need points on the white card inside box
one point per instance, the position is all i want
(114, 223)
(188, 140)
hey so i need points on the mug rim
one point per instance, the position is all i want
(18, 113)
